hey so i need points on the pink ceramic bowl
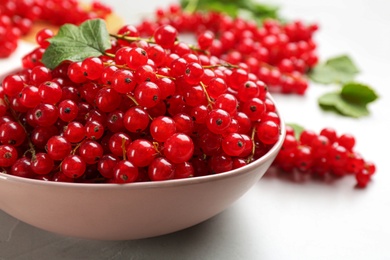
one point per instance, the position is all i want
(129, 211)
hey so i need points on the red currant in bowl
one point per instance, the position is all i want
(141, 209)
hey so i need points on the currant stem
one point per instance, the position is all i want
(226, 65)
(76, 147)
(123, 148)
(250, 158)
(137, 104)
(111, 55)
(132, 39)
(209, 100)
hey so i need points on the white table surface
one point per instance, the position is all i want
(276, 219)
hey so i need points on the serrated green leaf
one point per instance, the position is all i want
(338, 69)
(335, 101)
(358, 93)
(298, 129)
(75, 43)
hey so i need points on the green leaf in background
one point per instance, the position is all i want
(75, 43)
(298, 129)
(358, 93)
(351, 101)
(338, 69)
(247, 9)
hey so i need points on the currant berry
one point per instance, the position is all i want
(58, 148)
(141, 152)
(12, 133)
(73, 166)
(165, 36)
(42, 164)
(161, 169)
(92, 68)
(233, 144)
(161, 128)
(125, 172)
(268, 132)
(178, 148)
(8, 155)
(90, 151)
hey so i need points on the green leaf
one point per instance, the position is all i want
(250, 9)
(338, 69)
(358, 93)
(347, 102)
(298, 129)
(75, 43)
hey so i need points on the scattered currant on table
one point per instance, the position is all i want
(279, 54)
(17, 18)
(323, 155)
(143, 110)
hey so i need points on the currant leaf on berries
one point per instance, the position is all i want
(75, 43)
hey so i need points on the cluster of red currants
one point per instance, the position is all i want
(17, 17)
(149, 109)
(278, 54)
(323, 155)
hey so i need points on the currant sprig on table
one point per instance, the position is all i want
(326, 156)
(129, 108)
(280, 54)
(18, 17)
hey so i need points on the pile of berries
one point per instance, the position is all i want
(17, 17)
(322, 156)
(279, 54)
(150, 109)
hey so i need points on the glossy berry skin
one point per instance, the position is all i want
(165, 36)
(90, 151)
(22, 168)
(73, 166)
(107, 100)
(218, 121)
(42, 36)
(8, 155)
(135, 119)
(125, 172)
(68, 110)
(233, 144)
(268, 132)
(141, 152)
(362, 179)
(162, 128)
(58, 148)
(178, 148)
(161, 169)
(123, 81)
(42, 164)
(12, 133)
(45, 114)
(118, 143)
(74, 132)
(92, 68)
(147, 94)
(94, 130)
(106, 165)
(184, 170)
(50, 92)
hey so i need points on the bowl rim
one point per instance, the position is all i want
(166, 183)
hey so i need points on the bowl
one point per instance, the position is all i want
(128, 211)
